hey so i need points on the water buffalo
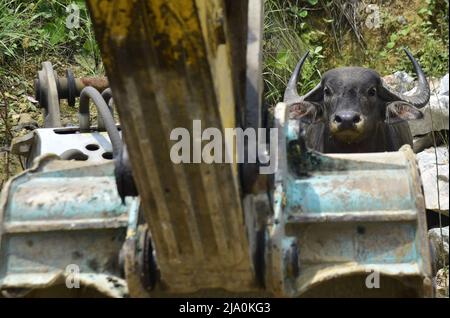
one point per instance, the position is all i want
(353, 110)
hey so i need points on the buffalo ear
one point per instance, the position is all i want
(306, 112)
(399, 111)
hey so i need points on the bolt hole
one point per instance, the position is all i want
(361, 229)
(92, 147)
(107, 155)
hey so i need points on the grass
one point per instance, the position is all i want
(38, 28)
(335, 32)
(32, 32)
(286, 38)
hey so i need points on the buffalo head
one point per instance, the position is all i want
(353, 101)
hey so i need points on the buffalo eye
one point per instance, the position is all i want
(327, 91)
(372, 91)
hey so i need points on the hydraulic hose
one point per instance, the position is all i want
(90, 93)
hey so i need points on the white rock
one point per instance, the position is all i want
(434, 83)
(399, 81)
(404, 81)
(427, 165)
(443, 88)
(441, 283)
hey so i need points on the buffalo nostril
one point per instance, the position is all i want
(347, 119)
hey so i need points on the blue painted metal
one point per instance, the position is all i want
(60, 213)
(336, 218)
(347, 215)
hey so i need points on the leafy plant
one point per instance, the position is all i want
(33, 31)
(39, 28)
(287, 37)
(334, 32)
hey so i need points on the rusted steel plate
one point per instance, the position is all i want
(60, 213)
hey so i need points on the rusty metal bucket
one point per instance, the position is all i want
(355, 222)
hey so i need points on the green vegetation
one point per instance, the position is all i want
(32, 32)
(426, 34)
(287, 36)
(334, 31)
(339, 33)
(37, 29)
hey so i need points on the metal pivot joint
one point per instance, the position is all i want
(50, 89)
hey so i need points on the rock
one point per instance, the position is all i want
(399, 81)
(427, 165)
(439, 246)
(443, 87)
(388, 79)
(441, 283)
(434, 85)
(405, 82)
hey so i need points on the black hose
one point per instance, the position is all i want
(107, 95)
(103, 111)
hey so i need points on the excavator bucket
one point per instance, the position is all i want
(172, 224)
